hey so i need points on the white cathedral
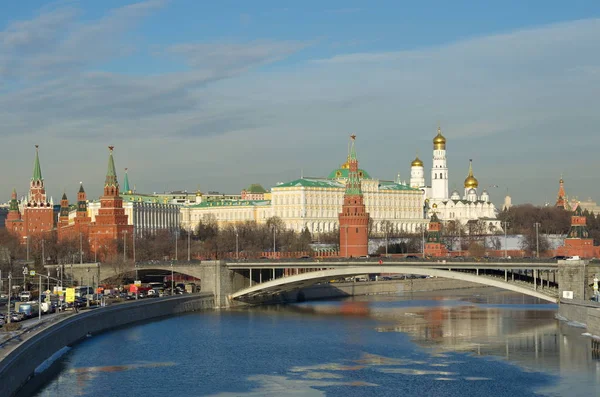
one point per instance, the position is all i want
(471, 206)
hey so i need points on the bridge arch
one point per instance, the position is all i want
(305, 279)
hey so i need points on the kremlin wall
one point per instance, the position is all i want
(348, 201)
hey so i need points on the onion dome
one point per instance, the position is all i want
(439, 142)
(417, 162)
(471, 182)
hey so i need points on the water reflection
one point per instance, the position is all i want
(422, 344)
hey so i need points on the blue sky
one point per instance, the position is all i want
(224, 94)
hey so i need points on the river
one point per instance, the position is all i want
(474, 342)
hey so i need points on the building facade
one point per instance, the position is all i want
(578, 241)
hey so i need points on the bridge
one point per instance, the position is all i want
(537, 279)
(263, 280)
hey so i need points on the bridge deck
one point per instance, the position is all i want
(308, 264)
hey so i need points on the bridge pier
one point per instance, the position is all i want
(576, 279)
(505, 275)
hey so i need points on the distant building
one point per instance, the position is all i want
(254, 192)
(578, 241)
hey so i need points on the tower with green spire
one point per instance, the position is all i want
(126, 189)
(435, 245)
(63, 215)
(37, 191)
(14, 214)
(81, 201)
(354, 219)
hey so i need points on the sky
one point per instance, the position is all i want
(219, 95)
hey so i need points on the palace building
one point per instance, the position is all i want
(34, 215)
(315, 203)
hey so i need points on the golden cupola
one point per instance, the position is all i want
(471, 182)
(417, 162)
(439, 142)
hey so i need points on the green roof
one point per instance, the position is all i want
(388, 185)
(141, 198)
(320, 183)
(256, 189)
(232, 203)
(111, 173)
(37, 170)
(342, 173)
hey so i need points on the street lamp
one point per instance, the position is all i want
(505, 225)
(80, 248)
(537, 239)
(27, 243)
(189, 236)
(9, 295)
(172, 282)
(25, 271)
(124, 245)
(237, 245)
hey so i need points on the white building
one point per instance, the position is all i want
(469, 206)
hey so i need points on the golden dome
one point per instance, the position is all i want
(439, 142)
(417, 162)
(471, 182)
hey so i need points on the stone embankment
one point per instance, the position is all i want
(18, 364)
(584, 313)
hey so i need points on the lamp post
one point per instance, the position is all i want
(505, 225)
(27, 241)
(95, 248)
(274, 246)
(423, 240)
(124, 245)
(80, 248)
(48, 279)
(172, 282)
(537, 239)
(40, 299)
(237, 245)
(43, 257)
(25, 271)
(9, 295)
(133, 247)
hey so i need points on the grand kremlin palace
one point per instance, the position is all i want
(315, 203)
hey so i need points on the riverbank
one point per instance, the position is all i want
(18, 366)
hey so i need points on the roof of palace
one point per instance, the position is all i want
(389, 185)
(313, 182)
(143, 198)
(231, 203)
(342, 172)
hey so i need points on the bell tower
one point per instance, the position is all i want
(439, 171)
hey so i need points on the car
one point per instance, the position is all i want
(411, 257)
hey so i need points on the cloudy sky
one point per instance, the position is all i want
(223, 94)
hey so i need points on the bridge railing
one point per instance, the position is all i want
(376, 259)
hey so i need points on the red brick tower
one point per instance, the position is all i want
(63, 215)
(14, 223)
(354, 219)
(82, 220)
(561, 200)
(435, 245)
(578, 241)
(38, 214)
(111, 221)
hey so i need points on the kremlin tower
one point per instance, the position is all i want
(578, 241)
(80, 224)
(38, 214)
(354, 219)
(435, 245)
(561, 200)
(111, 222)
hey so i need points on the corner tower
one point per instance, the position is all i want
(354, 219)
(439, 171)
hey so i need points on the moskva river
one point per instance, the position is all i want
(475, 342)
